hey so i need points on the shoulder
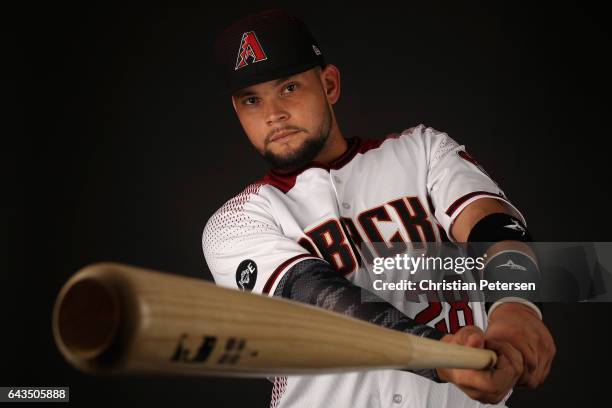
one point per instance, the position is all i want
(416, 141)
(416, 135)
(427, 137)
(247, 212)
(250, 201)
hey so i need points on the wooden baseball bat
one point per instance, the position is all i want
(114, 318)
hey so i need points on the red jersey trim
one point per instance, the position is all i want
(285, 181)
(454, 206)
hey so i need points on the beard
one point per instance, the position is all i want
(306, 152)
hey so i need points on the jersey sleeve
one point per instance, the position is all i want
(244, 246)
(454, 178)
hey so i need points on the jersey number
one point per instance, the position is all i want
(433, 311)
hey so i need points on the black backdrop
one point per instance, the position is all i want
(128, 149)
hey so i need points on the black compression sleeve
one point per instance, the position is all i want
(316, 283)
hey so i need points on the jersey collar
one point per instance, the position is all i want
(284, 181)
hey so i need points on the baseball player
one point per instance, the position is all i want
(300, 231)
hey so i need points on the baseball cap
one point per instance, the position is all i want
(265, 46)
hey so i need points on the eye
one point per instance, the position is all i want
(289, 88)
(251, 100)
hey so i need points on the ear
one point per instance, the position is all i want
(330, 78)
(234, 103)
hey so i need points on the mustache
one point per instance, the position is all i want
(273, 132)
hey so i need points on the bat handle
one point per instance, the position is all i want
(493, 357)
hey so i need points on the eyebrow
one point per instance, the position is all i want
(249, 92)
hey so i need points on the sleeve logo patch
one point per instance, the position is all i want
(246, 275)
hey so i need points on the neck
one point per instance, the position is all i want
(335, 146)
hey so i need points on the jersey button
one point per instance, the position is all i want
(346, 206)
(337, 179)
(397, 398)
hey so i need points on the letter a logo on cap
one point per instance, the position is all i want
(249, 47)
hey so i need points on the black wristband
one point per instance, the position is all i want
(512, 274)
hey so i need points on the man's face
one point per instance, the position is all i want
(287, 120)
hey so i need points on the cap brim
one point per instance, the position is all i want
(270, 76)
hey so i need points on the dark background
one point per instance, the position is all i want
(128, 149)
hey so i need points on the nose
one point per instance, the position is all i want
(276, 113)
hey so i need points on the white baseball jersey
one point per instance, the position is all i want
(405, 188)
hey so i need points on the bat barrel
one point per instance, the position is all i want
(118, 319)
